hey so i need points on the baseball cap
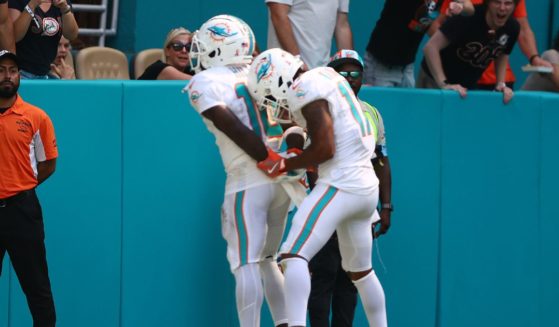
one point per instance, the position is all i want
(8, 54)
(344, 56)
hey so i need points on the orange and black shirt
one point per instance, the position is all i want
(26, 138)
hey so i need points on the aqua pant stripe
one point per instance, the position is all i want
(312, 219)
(240, 224)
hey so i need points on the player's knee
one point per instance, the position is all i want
(356, 275)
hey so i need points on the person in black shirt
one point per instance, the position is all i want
(459, 52)
(176, 64)
(38, 26)
(390, 55)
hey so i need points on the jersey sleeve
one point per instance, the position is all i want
(344, 6)
(285, 2)
(204, 92)
(45, 143)
(520, 10)
(445, 5)
(310, 87)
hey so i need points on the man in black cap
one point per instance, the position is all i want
(28, 155)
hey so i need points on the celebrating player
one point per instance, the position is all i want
(346, 192)
(255, 206)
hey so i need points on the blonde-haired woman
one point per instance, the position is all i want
(176, 61)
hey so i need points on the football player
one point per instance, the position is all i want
(255, 206)
(344, 198)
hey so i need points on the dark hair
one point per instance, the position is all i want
(556, 42)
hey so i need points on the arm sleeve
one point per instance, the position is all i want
(285, 2)
(205, 93)
(520, 10)
(46, 147)
(344, 6)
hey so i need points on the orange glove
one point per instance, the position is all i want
(273, 165)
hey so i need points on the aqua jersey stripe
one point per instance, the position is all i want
(312, 219)
(365, 128)
(255, 122)
(242, 234)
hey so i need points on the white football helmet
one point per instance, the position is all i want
(270, 76)
(220, 41)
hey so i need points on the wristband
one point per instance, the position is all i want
(500, 87)
(387, 206)
(32, 14)
(69, 10)
(532, 57)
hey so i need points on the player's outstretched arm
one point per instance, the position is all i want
(230, 125)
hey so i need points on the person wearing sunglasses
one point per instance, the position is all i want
(175, 64)
(331, 287)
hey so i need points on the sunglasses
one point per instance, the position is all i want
(355, 74)
(178, 46)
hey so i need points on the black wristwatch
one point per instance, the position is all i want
(387, 206)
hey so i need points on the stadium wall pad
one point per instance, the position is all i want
(132, 213)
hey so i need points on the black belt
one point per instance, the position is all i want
(7, 201)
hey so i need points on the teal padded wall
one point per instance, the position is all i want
(133, 211)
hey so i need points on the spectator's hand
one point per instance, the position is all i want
(507, 92)
(454, 8)
(538, 61)
(64, 71)
(62, 4)
(384, 223)
(458, 88)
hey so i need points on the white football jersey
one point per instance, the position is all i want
(227, 86)
(350, 169)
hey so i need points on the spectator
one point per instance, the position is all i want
(306, 27)
(459, 52)
(6, 28)
(390, 54)
(38, 26)
(176, 62)
(60, 68)
(28, 157)
(526, 40)
(330, 285)
(546, 82)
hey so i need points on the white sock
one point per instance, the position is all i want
(372, 297)
(273, 290)
(297, 289)
(249, 294)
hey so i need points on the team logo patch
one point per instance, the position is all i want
(221, 31)
(195, 96)
(50, 26)
(503, 39)
(264, 68)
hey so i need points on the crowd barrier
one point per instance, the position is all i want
(132, 213)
